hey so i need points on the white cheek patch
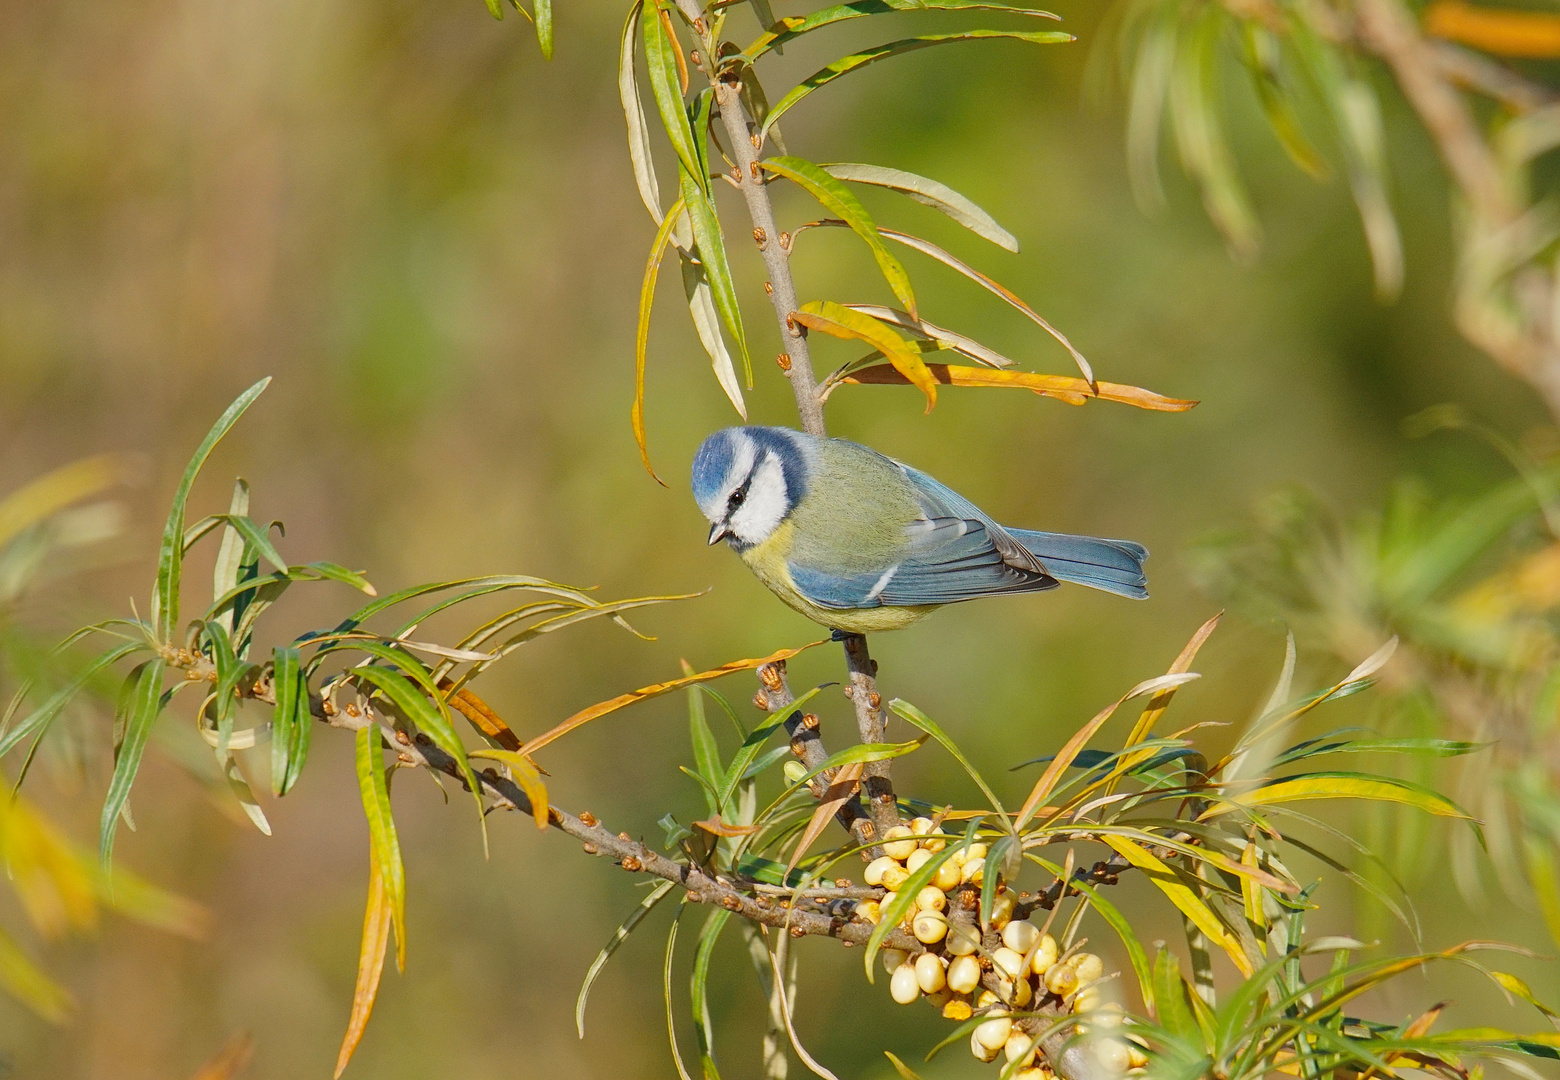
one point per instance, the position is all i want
(736, 474)
(766, 504)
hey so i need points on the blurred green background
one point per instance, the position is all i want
(431, 238)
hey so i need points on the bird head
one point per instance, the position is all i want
(747, 480)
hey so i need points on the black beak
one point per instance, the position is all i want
(718, 532)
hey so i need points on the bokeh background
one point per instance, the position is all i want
(430, 237)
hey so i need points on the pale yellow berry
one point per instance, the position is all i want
(929, 927)
(930, 974)
(1087, 1000)
(1016, 991)
(917, 859)
(963, 974)
(959, 856)
(935, 843)
(1062, 979)
(1019, 1047)
(1136, 1058)
(1109, 1013)
(869, 911)
(972, 870)
(1020, 935)
(903, 986)
(946, 877)
(887, 902)
(977, 851)
(893, 959)
(931, 898)
(921, 826)
(1113, 1055)
(894, 876)
(1007, 962)
(962, 939)
(1033, 1074)
(1002, 910)
(981, 1051)
(939, 998)
(993, 1034)
(873, 875)
(1044, 956)
(898, 843)
(989, 1000)
(1089, 968)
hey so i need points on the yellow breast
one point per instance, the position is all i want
(768, 563)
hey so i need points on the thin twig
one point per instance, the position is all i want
(878, 785)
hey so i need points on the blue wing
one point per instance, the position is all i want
(955, 552)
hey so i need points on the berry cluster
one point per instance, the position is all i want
(1008, 971)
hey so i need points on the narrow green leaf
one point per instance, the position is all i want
(619, 936)
(375, 791)
(742, 761)
(838, 200)
(661, 59)
(144, 703)
(706, 752)
(794, 26)
(712, 254)
(906, 711)
(701, 306)
(663, 237)
(38, 721)
(170, 561)
(430, 718)
(544, 27)
(495, 9)
(666, 988)
(634, 114)
(291, 721)
(698, 990)
(931, 193)
(855, 61)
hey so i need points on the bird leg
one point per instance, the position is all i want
(873, 724)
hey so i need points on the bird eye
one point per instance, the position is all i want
(737, 497)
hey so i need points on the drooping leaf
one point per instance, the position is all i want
(145, 702)
(371, 960)
(544, 27)
(1183, 897)
(904, 355)
(838, 200)
(291, 721)
(662, 59)
(712, 255)
(698, 990)
(663, 237)
(931, 193)
(383, 842)
(528, 776)
(1341, 785)
(942, 336)
(634, 114)
(908, 712)
(619, 936)
(842, 788)
(170, 561)
(35, 723)
(855, 61)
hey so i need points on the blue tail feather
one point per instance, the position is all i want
(1114, 566)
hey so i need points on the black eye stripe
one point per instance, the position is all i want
(741, 493)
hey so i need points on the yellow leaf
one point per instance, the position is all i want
(585, 716)
(1066, 388)
(527, 775)
(1190, 904)
(482, 717)
(1338, 786)
(26, 982)
(663, 236)
(903, 355)
(1501, 31)
(371, 960)
(49, 494)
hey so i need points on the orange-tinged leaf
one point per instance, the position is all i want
(231, 1060)
(585, 716)
(1065, 757)
(841, 788)
(371, 961)
(663, 237)
(1179, 894)
(1502, 31)
(483, 718)
(716, 827)
(904, 356)
(1073, 391)
(527, 775)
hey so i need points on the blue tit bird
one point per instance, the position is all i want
(861, 543)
